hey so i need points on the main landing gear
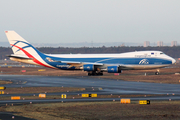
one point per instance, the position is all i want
(94, 73)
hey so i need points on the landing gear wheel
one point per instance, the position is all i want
(94, 73)
(99, 73)
(156, 73)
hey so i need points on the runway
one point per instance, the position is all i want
(109, 86)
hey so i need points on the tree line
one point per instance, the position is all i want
(171, 51)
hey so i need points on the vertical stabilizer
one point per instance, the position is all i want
(16, 41)
(23, 50)
(20, 46)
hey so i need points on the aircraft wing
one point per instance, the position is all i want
(99, 66)
(82, 63)
(78, 65)
(72, 62)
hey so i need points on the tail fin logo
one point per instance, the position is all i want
(22, 48)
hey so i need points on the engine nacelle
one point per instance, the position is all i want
(88, 67)
(113, 69)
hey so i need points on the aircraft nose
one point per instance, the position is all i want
(173, 61)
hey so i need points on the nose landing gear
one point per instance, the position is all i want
(157, 72)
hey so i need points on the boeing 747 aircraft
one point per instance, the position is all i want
(94, 64)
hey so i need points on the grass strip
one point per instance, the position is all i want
(97, 110)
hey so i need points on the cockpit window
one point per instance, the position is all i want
(161, 53)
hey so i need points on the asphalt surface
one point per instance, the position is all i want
(92, 85)
(10, 116)
(109, 86)
(10, 102)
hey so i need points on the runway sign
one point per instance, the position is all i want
(89, 95)
(125, 101)
(9, 66)
(93, 95)
(63, 96)
(144, 102)
(2, 88)
(15, 97)
(1, 92)
(42, 70)
(85, 95)
(42, 95)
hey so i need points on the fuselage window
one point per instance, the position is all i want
(152, 53)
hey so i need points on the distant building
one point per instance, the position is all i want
(160, 43)
(122, 45)
(146, 43)
(173, 43)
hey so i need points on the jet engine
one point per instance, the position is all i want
(88, 67)
(113, 69)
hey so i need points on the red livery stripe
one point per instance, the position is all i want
(34, 59)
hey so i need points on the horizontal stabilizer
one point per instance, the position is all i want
(19, 56)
